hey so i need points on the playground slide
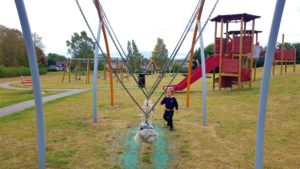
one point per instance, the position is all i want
(211, 63)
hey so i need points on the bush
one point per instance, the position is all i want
(18, 71)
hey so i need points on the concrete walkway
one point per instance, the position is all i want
(30, 103)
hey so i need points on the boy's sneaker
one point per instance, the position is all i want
(171, 128)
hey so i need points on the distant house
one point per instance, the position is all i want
(61, 65)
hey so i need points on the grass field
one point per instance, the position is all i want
(74, 141)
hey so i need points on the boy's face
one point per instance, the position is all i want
(169, 93)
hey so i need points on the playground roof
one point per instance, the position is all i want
(238, 32)
(235, 17)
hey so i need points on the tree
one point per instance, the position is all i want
(13, 51)
(53, 58)
(160, 53)
(80, 45)
(37, 41)
(134, 57)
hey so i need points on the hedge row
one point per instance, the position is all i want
(19, 71)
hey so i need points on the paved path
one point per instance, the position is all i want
(30, 103)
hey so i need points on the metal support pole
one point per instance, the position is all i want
(203, 77)
(96, 52)
(35, 83)
(265, 83)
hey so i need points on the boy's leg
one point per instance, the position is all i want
(166, 117)
(171, 119)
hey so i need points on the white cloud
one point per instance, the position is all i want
(141, 20)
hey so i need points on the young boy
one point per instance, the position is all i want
(170, 103)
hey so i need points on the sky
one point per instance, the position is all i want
(143, 20)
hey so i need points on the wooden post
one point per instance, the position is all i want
(214, 77)
(251, 57)
(254, 70)
(127, 72)
(87, 80)
(240, 53)
(227, 31)
(66, 70)
(221, 54)
(216, 27)
(215, 53)
(256, 42)
(192, 54)
(281, 54)
(295, 57)
(122, 72)
(117, 69)
(273, 69)
(105, 75)
(285, 60)
(70, 67)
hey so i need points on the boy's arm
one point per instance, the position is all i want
(163, 101)
(176, 105)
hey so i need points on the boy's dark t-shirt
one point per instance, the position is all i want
(170, 102)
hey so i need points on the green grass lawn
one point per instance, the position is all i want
(74, 141)
(9, 96)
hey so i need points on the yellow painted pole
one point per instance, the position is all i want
(281, 54)
(221, 54)
(108, 53)
(240, 52)
(192, 55)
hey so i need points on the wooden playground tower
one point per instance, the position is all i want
(235, 50)
(284, 56)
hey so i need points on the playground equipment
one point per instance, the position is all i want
(118, 67)
(284, 56)
(78, 69)
(235, 51)
(153, 65)
(211, 64)
(26, 82)
(37, 88)
(233, 54)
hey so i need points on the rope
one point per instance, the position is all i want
(175, 51)
(213, 9)
(116, 43)
(97, 43)
(163, 72)
(177, 47)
